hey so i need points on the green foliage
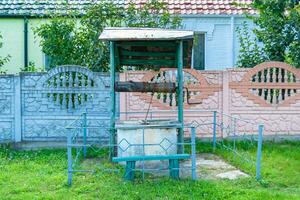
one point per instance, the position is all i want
(58, 39)
(293, 53)
(43, 175)
(32, 68)
(3, 60)
(151, 15)
(73, 40)
(250, 53)
(278, 29)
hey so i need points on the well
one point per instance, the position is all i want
(153, 49)
(140, 138)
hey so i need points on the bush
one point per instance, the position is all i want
(3, 60)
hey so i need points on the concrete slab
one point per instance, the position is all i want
(210, 166)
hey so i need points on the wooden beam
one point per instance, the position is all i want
(131, 86)
(144, 62)
(154, 54)
(170, 44)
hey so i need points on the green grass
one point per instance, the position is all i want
(42, 175)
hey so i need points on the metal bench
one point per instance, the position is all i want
(130, 163)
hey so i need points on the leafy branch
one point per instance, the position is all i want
(72, 39)
(3, 60)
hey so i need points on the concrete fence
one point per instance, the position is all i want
(267, 94)
(38, 106)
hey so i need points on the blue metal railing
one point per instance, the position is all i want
(77, 138)
(79, 129)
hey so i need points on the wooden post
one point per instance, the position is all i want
(113, 100)
(180, 94)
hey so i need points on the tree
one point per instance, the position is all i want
(250, 53)
(293, 52)
(277, 27)
(58, 40)
(3, 60)
(73, 40)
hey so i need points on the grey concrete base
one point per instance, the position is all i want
(281, 138)
(273, 138)
(35, 145)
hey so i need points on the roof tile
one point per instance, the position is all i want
(41, 7)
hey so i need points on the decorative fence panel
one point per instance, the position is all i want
(202, 89)
(267, 94)
(7, 110)
(38, 106)
(47, 102)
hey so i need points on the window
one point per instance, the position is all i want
(47, 62)
(199, 51)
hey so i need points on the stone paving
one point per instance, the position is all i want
(210, 166)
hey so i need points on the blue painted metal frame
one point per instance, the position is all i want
(69, 152)
(77, 138)
(84, 124)
(180, 93)
(214, 130)
(151, 157)
(193, 145)
(113, 98)
(259, 151)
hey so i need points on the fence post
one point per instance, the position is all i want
(193, 144)
(84, 123)
(259, 150)
(69, 152)
(234, 135)
(18, 108)
(215, 131)
(180, 95)
(112, 140)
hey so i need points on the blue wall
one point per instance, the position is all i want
(221, 39)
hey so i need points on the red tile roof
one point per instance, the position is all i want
(204, 7)
(186, 7)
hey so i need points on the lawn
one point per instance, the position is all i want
(42, 175)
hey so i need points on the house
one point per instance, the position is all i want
(214, 22)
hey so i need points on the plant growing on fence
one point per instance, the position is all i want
(73, 40)
(3, 60)
(32, 68)
(250, 53)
